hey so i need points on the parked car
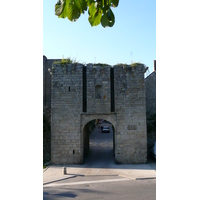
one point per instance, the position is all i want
(105, 129)
(153, 151)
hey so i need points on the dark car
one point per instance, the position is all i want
(105, 129)
(153, 150)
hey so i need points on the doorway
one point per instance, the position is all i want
(98, 143)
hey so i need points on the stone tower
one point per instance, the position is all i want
(84, 93)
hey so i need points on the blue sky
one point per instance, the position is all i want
(131, 39)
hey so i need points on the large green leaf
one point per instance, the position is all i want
(92, 9)
(60, 8)
(82, 5)
(89, 2)
(104, 21)
(110, 16)
(115, 3)
(96, 19)
(71, 9)
(64, 4)
(73, 12)
(108, 19)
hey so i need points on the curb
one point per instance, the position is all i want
(61, 179)
(147, 178)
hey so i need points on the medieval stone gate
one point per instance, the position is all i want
(83, 93)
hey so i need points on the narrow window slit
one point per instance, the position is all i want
(112, 90)
(84, 90)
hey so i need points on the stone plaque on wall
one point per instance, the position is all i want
(132, 127)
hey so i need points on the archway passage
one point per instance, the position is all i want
(98, 145)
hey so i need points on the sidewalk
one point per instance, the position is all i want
(136, 172)
(54, 173)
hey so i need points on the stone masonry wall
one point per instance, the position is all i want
(98, 89)
(66, 109)
(130, 137)
(68, 119)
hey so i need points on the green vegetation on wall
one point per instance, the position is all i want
(70, 61)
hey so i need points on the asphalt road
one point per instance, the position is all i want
(104, 187)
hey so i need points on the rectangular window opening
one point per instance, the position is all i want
(98, 92)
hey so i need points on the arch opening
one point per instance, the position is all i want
(99, 143)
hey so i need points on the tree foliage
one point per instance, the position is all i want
(99, 10)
